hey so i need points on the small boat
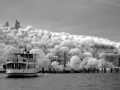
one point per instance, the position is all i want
(21, 64)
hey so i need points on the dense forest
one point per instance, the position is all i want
(55, 48)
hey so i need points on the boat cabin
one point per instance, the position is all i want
(21, 61)
(22, 57)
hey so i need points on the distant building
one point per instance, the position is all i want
(17, 25)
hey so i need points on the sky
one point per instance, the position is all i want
(99, 18)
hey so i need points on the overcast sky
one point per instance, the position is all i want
(100, 18)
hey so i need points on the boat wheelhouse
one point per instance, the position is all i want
(21, 64)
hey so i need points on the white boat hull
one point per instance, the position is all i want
(18, 73)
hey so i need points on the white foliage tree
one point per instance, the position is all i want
(102, 63)
(29, 28)
(42, 59)
(9, 51)
(55, 64)
(92, 63)
(86, 55)
(77, 52)
(59, 42)
(75, 62)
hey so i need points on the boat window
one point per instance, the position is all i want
(30, 56)
(24, 60)
(22, 55)
(20, 66)
(16, 66)
(32, 60)
(23, 66)
(31, 66)
(28, 67)
(10, 65)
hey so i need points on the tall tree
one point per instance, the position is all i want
(6, 24)
(17, 25)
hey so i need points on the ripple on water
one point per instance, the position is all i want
(107, 81)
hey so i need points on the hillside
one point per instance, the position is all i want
(54, 44)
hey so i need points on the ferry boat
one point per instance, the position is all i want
(21, 64)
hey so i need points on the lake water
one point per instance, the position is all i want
(98, 81)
